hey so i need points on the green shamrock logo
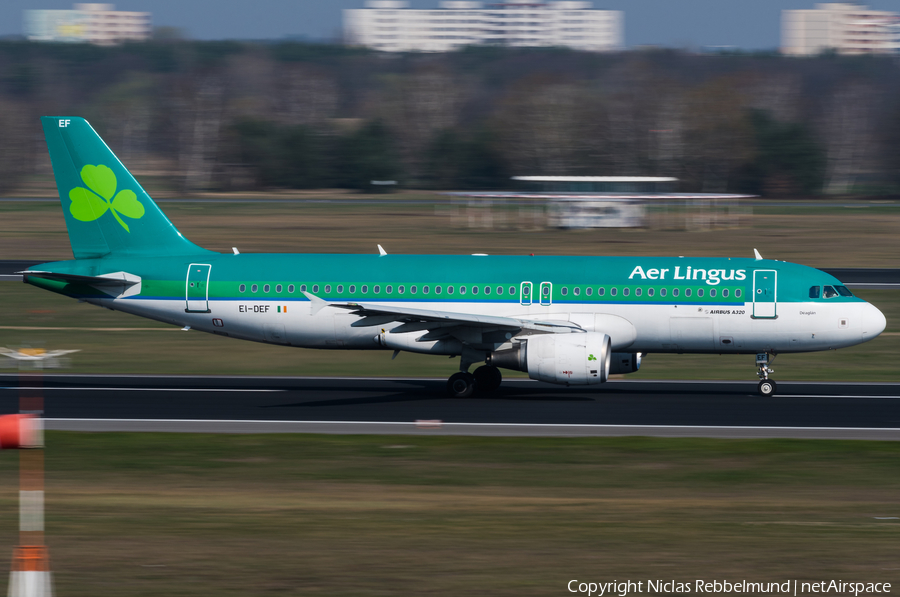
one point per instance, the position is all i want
(592, 357)
(89, 205)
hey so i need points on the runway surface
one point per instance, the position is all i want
(852, 277)
(521, 407)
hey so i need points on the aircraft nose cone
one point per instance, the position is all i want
(874, 322)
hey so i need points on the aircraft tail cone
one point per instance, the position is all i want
(30, 576)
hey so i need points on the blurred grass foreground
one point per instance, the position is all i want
(182, 514)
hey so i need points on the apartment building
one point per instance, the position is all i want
(99, 24)
(846, 28)
(390, 26)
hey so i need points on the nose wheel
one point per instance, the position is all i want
(766, 386)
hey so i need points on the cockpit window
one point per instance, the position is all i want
(814, 291)
(843, 291)
(829, 292)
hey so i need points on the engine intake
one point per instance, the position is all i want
(570, 359)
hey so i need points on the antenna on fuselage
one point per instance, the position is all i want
(757, 255)
(381, 251)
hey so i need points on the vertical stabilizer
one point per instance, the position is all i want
(107, 211)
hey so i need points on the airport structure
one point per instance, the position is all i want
(841, 27)
(99, 24)
(389, 26)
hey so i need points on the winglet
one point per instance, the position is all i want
(236, 252)
(381, 251)
(757, 255)
(317, 303)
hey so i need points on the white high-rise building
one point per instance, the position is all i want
(843, 27)
(99, 24)
(389, 26)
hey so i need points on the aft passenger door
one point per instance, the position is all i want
(196, 291)
(765, 290)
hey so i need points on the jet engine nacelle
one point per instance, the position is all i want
(625, 362)
(571, 359)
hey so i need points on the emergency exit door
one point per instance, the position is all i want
(765, 290)
(196, 292)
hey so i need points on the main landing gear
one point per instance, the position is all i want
(463, 384)
(766, 386)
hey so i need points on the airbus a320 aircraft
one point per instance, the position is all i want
(564, 320)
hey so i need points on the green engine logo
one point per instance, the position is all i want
(91, 203)
(591, 357)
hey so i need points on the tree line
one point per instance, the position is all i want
(225, 116)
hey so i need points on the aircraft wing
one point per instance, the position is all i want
(468, 327)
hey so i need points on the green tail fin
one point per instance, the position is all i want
(107, 211)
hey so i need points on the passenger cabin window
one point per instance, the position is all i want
(737, 293)
(401, 289)
(687, 292)
(449, 290)
(424, 290)
(254, 288)
(649, 292)
(613, 291)
(589, 291)
(290, 288)
(413, 289)
(601, 291)
(365, 289)
(340, 288)
(662, 292)
(842, 290)
(725, 292)
(499, 290)
(243, 288)
(352, 289)
(389, 289)
(577, 291)
(377, 289)
(266, 288)
(512, 290)
(565, 291)
(462, 289)
(829, 292)
(674, 292)
(328, 289)
(815, 291)
(315, 288)
(278, 288)
(437, 289)
(474, 290)
(303, 288)
(712, 292)
(700, 292)
(637, 292)
(487, 289)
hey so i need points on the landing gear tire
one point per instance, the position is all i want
(461, 385)
(487, 379)
(766, 387)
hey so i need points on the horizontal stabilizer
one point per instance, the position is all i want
(118, 284)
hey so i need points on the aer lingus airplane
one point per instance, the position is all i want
(564, 320)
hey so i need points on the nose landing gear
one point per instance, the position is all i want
(766, 386)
